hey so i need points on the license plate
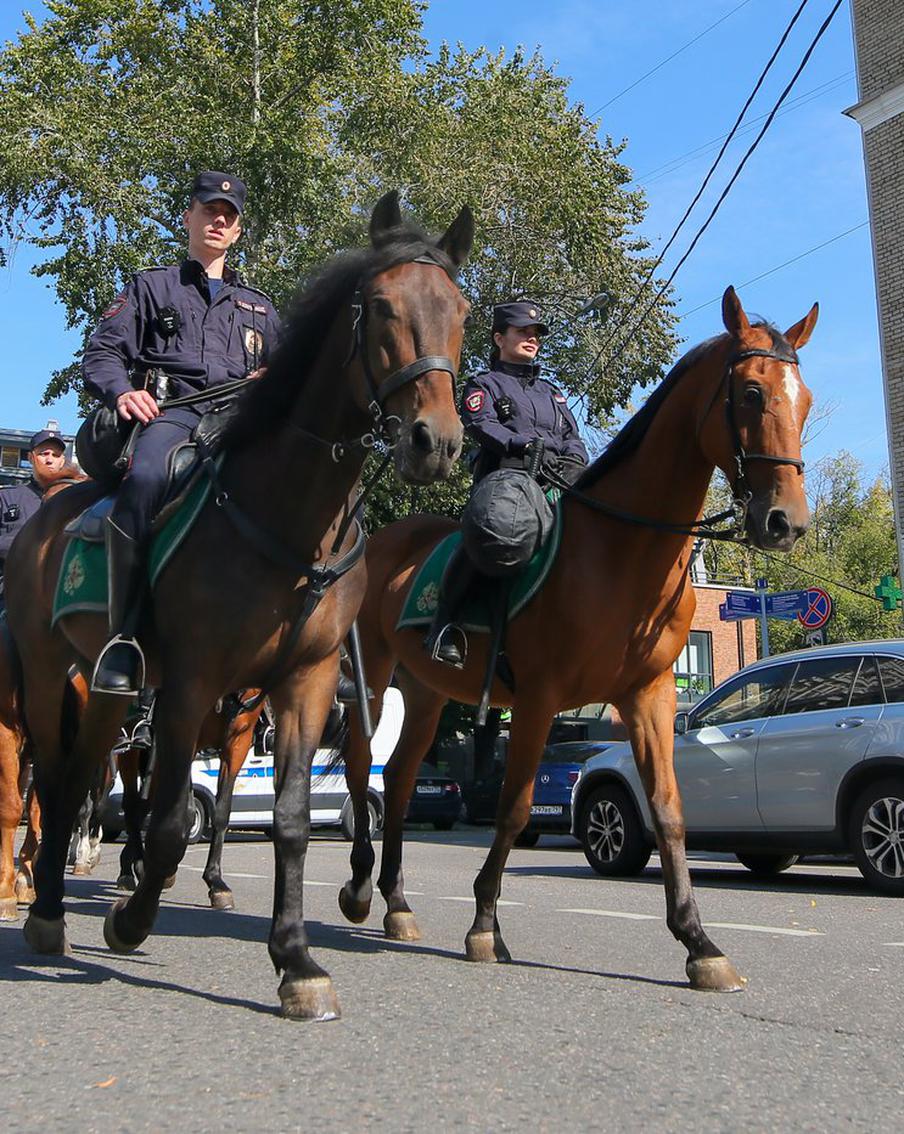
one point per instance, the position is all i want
(546, 809)
(428, 789)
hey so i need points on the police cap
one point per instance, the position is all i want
(212, 185)
(522, 313)
(44, 435)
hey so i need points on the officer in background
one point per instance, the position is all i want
(47, 454)
(171, 332)
(519, 421)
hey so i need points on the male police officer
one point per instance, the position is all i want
(193, 327)
(519, 421)
(47, 454)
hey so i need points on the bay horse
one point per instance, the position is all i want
(608, 623)
(265, 587)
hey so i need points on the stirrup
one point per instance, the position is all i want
(460, 645)
(138, 683)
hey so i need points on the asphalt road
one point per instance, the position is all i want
(592, 1026)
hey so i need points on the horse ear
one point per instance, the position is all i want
(386, 215)
(733, 316)
(799, 334)
(456, 241)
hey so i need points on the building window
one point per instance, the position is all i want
(694, 667)
(10, 457)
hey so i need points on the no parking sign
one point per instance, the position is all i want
(819, 609)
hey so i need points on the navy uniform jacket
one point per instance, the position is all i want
(510, 406)
(214, 343)
(17, 503)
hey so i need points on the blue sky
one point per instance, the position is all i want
(804, 186)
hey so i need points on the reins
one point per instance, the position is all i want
(741, 493)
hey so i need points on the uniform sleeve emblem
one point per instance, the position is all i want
(116, 306)
(474, 402)
(559, 396)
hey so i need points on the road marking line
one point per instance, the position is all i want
(894, 944)
(232, 873)
(616, 913)
(763, 929)
(451, 898)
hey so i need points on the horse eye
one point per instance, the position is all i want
(469, 320)
(383, 308)
(753, 397)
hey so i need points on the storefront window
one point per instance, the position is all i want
(694, 667)
(11, 457)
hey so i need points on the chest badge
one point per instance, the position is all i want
(254, 341)
(474, 402)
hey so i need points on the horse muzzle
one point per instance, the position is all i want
(425, 453)
(774, 528)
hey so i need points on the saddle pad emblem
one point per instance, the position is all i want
(75, 575)
(428, 599)
(474, 401)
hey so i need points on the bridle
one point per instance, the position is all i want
(740, 488)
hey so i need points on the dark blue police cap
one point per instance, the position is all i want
(212, 185)
(523, 313)
(45, 435)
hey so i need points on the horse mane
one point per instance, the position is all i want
(268, 402)
(629, 437)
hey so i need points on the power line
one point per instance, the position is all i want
(668, 59)
(649, 276)
(778, 267)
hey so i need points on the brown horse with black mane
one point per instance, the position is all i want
(372, 350)
(608, 623)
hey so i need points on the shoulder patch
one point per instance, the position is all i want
(116, 306)
(557, 393)
(474, 402)
(244, 305)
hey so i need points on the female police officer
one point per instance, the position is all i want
(519, 421)
(196, 325)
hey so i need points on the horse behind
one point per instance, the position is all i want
(371, 351)
(609, 622)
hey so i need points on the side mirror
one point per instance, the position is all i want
(681, 723)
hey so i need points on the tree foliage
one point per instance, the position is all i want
(108, 107)
(850, 545)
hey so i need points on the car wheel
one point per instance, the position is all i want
(764, 865)
(199, 821)
(527, 838)
(611, 834)
(877, 835)
(347, 819)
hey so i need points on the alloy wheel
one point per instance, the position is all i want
(606, 830)
(882, 835)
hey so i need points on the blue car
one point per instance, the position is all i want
(550, 812)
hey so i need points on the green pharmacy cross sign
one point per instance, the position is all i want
(889, 592)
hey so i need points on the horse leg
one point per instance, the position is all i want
(239, 736)
(178, 717)
(62, 786)
(28, 852)
(650, 716)
(356, 894)
(79, 846)
(10, 814)
(530, 727)
(422, 712)
(302, 705)
(134, 810)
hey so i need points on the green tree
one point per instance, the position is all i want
(109, 106)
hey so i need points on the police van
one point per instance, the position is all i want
(253, 798)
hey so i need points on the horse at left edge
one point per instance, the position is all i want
(267, 583)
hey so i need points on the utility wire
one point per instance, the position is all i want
(668, 59)
(778, 267)
(804, 572)
(750, 150)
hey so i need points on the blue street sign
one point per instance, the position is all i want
(742, 602)
(787, 604)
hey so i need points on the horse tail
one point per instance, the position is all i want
(336, 738)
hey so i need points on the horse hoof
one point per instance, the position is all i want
(81, 868)
(486, 947)
(170, 881)
(46, 935)
(401, 926)
(221, 899)
(714, 974)
(25, 894)
(9, 909)
(113, 936)
(355, 909)
(312, 999)
(126, 883)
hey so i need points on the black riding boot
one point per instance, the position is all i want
(120, 667)
(446, 641)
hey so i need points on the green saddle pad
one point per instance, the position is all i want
(82, 583)
(423, 595)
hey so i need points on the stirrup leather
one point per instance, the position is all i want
(139, 683)
(456, 635)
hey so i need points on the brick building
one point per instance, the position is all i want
(879, 43)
